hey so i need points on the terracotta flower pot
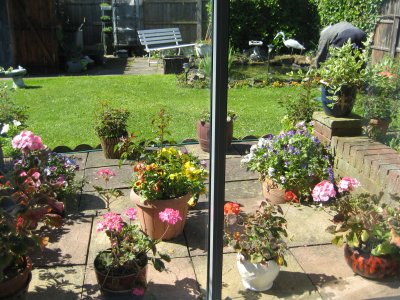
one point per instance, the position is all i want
(148, 214)
(369, 266)
(203, 134)
(108, 145)
(17, 287)
(257, 277)
(122, 284)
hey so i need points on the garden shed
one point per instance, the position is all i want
(386, 33)
(30, 27)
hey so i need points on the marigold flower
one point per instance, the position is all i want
(170, 216)
(231, 208)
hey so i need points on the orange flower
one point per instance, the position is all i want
(231, 208)
(236, 236)
(291, 197)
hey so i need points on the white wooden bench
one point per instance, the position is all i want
(161, 39)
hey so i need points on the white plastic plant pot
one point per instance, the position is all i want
(257, 277)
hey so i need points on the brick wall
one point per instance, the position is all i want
(375, 165)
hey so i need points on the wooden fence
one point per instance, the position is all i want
(189, 15)
(386, 33)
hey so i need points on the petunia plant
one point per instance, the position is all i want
(293, 160)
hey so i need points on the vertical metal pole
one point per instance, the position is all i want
(219, 85)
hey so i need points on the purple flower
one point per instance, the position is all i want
(283, 179)
(331, 175)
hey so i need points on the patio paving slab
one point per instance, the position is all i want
(178, 282)
(291, 282)
(196, 149)
(67, 245)
(61, 283)
(96, 159)
(329, 272)
(121, 179)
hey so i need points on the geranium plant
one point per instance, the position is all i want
(53, 171)
(130, 246)
(259, 237)
(168, 173)
(293, 160)
(362, 220)
(107, 194)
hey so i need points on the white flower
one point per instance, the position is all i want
(261, 143)
(253, 148)
(5, 129)
(16, 123)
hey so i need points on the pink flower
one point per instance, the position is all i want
(131, 213)
(36, 176)
(26, 140)
(112, 221)
(23, 174)
(107, 174)
(347, 184)
(138, 291)
(323, 191)
(170, 216)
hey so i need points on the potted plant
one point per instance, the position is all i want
(203, 129)
(341, 75)
(369, 227)
(110, 125)
(292, 161)
(24, 203)
(166, 178)
(123, 267)
(381, 101)
(259, 241)
(56, 172)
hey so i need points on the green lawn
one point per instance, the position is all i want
(61, 109)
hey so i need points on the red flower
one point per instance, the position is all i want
(291, 197)
(231, 208)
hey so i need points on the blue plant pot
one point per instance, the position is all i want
(342, 107)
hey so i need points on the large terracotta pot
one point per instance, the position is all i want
(369, 266)
(342, 107)
(148, 214)
(17, 287)
(203, 134)
(257, 277)
(122, 284)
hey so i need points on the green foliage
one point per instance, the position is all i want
(205, 116)
(361, 13)
(161, 122)
(259, 236)
(300, 107)
(110, 122)
(382, 99)
(264, 18)
(344, 68)
(367, 224)
(105, 18)
(108, 29)
(13, 117)
(394, 143)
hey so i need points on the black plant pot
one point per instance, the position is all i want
(342, 107)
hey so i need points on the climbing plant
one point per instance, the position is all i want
(361, 13)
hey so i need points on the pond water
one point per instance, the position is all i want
(260, 71)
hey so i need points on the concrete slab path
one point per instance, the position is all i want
(316, 269)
